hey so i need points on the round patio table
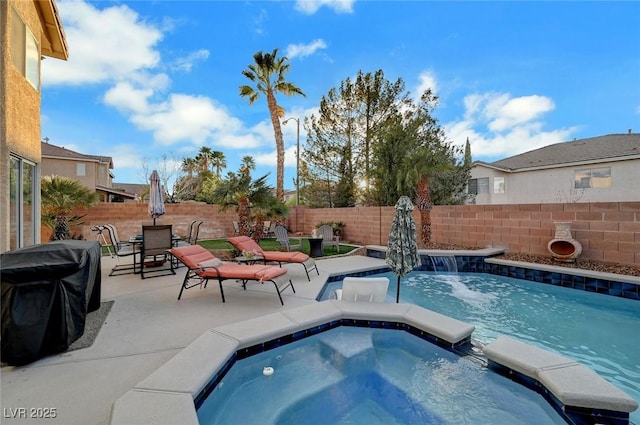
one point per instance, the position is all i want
(315, 247)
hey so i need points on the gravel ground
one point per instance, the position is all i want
(541, 259)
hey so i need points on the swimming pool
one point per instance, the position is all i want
(597, 330)
(364, 376)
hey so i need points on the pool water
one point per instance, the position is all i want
(363, 376)
(597, 330)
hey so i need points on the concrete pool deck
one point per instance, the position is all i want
(147, 327)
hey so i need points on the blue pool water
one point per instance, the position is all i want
(363, 376)
(597, 330)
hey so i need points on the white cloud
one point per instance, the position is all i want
(499, 126)
(310, 7)
(186, 63)
(186, 118)
(302, 50)
(427, 81)
(124, 97)
(105, 45)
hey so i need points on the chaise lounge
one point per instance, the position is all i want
(202, 265)
(245, 243)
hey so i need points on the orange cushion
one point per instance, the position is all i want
(285, 257)
(245, 243)
(237, 271)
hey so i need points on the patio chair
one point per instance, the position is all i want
(282, 236)
(236, 228)
(121, 249)
(192, 237)
(202, 265)
(363, 289)
(328, 238)
(269, 229)
(156, 242)
(245, 243)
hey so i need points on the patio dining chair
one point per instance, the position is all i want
(328, 238)
(282, 236)
(156, 243)
(121, 249)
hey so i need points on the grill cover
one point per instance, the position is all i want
(47, 291)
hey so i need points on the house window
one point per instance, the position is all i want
(25, 51)
(81, 169)
(22, 203)
(596, 178)
(477, 186)
(498, 185)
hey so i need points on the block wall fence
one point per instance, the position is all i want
(607, 231)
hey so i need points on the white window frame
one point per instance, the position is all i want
(25, 217)
(81, 169)
(587, 178)
(498, 185)
(25, 50)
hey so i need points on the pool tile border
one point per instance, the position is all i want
(481, 261)
(174, 389)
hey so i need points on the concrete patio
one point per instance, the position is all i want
(146, 327)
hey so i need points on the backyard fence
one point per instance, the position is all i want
(607, 231)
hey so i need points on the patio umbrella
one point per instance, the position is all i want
(402, 249)
(156, 200)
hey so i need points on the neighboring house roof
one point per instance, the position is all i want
(53, 151)
(132, 188)
(613, 147)
(113, 191)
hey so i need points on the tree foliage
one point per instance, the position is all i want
(59, 196)
(268, 76)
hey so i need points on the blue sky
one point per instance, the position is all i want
(147, 80)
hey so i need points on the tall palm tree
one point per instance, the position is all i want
(218, 161)
(204, 157)
(59, 196)
(268, 74)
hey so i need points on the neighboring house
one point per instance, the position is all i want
(92, 171)
(597, 169)
(29, 31)
(140, 192)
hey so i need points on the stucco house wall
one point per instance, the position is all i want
(548, 174)
(20, 102)
(557, 185)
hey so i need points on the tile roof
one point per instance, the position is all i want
(53, 151)
(612, 146)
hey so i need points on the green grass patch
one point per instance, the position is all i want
(273, 245)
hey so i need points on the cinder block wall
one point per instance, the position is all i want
(607, 231)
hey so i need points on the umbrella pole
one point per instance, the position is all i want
(398, 291)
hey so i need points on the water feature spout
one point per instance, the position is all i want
(444, 263)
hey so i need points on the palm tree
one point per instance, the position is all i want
(239, 191)
(60, 195)
(204, 157)
(268, 74)
(218, 161)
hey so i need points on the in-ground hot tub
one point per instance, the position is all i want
(170, 394)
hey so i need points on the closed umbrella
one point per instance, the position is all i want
(156, 200)
(402, 249)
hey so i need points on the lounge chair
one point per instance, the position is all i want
(245, 243)
(363, 289)
(202, 265)
(327, 237)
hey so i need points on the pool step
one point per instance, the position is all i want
(349, 351)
